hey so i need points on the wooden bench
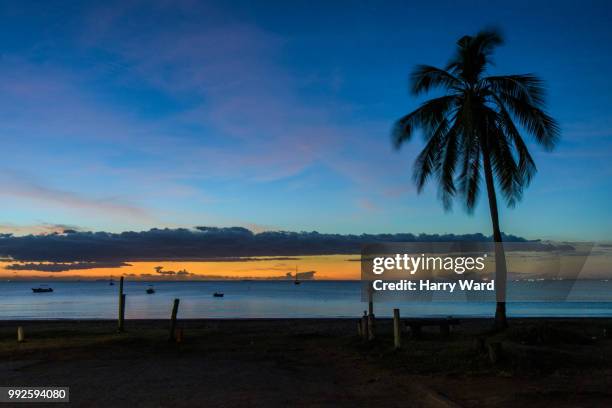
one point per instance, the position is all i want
(445, 324)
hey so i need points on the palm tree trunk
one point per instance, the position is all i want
(500, 254)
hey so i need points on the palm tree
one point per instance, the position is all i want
(476, 127)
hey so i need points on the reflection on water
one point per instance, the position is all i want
(253, 299)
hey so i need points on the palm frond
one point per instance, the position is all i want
(425, 77)
(427, 117)
(469, 178)
(451, 152)
(473, 54)
(427, 162)
(505, 167)
(538, 123)
(526, 86)
(526, 164)
(486, 40)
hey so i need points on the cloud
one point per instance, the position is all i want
(243, 92)
(595, 128)
(182, 273)
(225, 107)
(40, 229)
(201, 243)
(15, 184)
(367, 204)
(62, 267)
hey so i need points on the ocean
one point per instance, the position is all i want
(258, 299)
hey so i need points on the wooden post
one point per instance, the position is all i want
(371, 327)
(172, 336)
(364, 325)
(371, 317)
(20, 335)
(122, 313)
(359, 328)
(121, 310)
(397, 341)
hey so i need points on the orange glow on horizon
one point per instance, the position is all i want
(334, 267)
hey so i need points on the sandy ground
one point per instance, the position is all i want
(307, 362)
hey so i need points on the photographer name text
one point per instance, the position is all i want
(430, 285)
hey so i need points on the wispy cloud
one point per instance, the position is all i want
(367, 204)
(39, 229)
(596, 128)
(13, 184)
(244, 95)
(246, 119)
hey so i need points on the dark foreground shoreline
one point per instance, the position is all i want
(559, 362)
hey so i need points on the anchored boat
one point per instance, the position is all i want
(42, 289)
(296, 281)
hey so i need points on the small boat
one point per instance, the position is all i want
(296, 281)
(150, 290)
(42, 289)
(218, 294)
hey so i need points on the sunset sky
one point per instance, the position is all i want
(276, 115)
(325, 267)
(582, 262)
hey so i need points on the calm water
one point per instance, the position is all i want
(98, 300)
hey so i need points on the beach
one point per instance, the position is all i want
(311, 362)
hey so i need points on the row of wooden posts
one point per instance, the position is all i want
(174, 334)
(366, 326)
(366, 330)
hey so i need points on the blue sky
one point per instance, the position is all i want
(276, 115)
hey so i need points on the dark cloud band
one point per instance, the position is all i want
(201, 243)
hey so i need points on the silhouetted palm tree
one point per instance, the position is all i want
(474, 128)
